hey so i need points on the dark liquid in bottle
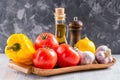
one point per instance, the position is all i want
(61, 33)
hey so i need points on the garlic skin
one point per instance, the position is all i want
(107, 60)
(103, 54)
(87, 58)
(102, 48)
(100, 56)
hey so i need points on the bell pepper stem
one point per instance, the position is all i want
(15, 47)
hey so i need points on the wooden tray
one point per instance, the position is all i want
(49, 72)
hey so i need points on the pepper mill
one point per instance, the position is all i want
(75, 28)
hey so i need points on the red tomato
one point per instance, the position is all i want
(45, 58)
(46, 40)
(67, 56)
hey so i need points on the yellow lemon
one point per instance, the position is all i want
(86, 45)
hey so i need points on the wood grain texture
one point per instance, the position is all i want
(48, 72)
(19, 67)
(112, 73)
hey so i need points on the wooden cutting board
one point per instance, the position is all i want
(20, 67)
(49, 72)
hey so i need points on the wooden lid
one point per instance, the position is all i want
(76, 23)
(59, 13)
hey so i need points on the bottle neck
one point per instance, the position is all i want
(59, 21)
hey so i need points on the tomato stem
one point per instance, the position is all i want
(44, 37)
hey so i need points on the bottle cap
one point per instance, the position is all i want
(60, 13)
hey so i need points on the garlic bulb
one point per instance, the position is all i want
(87, 57)
(103, 54)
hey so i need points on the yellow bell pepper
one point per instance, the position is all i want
(20, 49)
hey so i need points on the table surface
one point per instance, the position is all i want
(112, 73)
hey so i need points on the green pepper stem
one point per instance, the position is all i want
(15, 47)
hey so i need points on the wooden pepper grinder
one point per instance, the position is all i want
(75, 28)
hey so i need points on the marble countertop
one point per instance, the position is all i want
(112, 73)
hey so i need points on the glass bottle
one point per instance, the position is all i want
(75, 28)
(60, 26)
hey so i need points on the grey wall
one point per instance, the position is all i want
(101, 19)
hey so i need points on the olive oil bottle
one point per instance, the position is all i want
(60, 27)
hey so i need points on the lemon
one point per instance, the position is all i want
(86, 45)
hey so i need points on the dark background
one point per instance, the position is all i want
(101, 19)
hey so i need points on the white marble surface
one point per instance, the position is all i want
(112, 73)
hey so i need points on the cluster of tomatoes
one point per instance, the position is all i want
(49, 53)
